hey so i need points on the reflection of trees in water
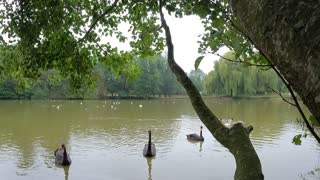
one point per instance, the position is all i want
(149, 162)
(34, 124)
(26, 122)
(124, 127)
(127, 125)
(267, 116)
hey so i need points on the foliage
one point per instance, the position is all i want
(197, 77)
(221, 29)
(155, 79)
(234, 79)
(152, 77)
(313, 121)
(297, 139)
(69, 36)
(66, 36)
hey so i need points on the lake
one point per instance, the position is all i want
(105, 139)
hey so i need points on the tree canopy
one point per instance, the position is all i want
(67, 36)
(235, 79)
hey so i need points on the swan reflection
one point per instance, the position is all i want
(196, 142)
(66, 172)
(149, 162)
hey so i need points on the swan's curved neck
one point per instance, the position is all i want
(200, 132)
(149, 143)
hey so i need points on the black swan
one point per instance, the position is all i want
(62, 156)
(149, 149)
(196, 137)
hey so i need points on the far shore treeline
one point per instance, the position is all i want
(149, 78)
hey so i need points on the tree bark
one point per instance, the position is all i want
(288, 34)
(236, 139)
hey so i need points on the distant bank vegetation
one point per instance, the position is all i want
(147, 79)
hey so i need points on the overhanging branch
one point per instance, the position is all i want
(284, 99)
(310, 128)
(241, 61)
(98, 19)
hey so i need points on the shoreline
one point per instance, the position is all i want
(146, 98)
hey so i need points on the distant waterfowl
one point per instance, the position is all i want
(140, 105)
(196, 137)
(149, 149)
(228, 122)
(62, 157)
(56, 106)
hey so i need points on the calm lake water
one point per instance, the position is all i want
(106, 138)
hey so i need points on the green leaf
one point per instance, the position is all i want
(198, 61)
(170, 8)
(313, 120)
(297, 139)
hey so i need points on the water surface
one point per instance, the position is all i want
(106, 138)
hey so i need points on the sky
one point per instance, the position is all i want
(185, 34)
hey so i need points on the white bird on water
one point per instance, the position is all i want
(140, 106)
(58, 107)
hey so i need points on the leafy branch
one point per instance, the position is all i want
(98, 19)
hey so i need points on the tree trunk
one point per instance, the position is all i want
(236, 139)
(288, 34)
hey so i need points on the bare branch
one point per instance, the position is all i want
(98, 19)
(240, 61)
(249, 129)
(101, 48)
(310, 128)
(284, 99)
